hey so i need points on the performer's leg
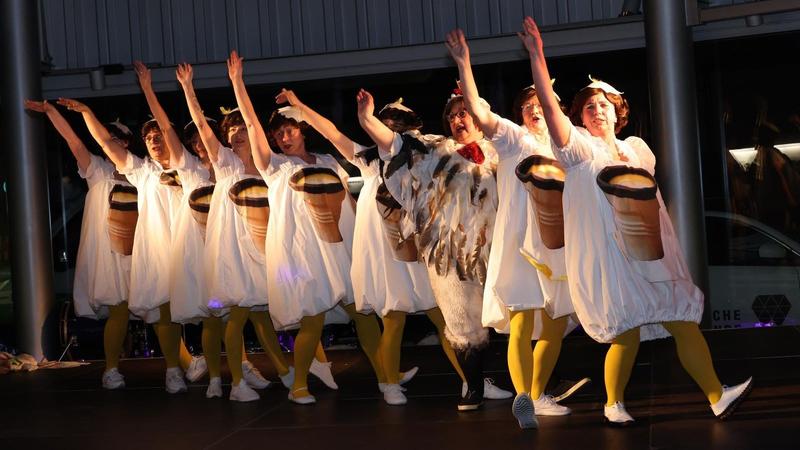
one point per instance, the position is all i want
(183, 352)
(435, 315)
(520, 356)
(695, 357)
(234, 342)
(369, 335)
(619, 364)
(319, 353)
(546, 351)
(265, 331)
(169, 337)
(211, 338)
(114, 333)
(305, 344)
(391, 339)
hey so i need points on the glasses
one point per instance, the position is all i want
(155, 138)
(461, 114)
(530, 107)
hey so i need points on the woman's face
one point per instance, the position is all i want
(156, 147)
(199, 149)
(598, 115)
(532, 116)
(237, 136)
(462, 126)
(289, 139)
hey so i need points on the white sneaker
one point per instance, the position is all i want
(730, 399)
(406, 376)
(288, 379)
(382, 387)
(253, 377)
(323, 371)
(393, 394)
(490, 391)
(175, 381)
(214, 388)
(304, 400)
(617, 416)
(546, 406)
(243, 393)
(112, 379)
(197, 368)
(524, 411)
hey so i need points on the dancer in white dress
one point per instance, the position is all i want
(514, 299)
(100, 290)
(627, 276)
(233, 265)
(150, 264)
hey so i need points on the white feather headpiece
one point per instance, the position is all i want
(603, 86)
(290, 112)
(225, 111)
(552, 82)
(121, 127)
(397, 104)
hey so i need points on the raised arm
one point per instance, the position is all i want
(377, 131)
(115, 152)
(184, 74)
(76, 146)
(170, 136)
(459, 50)
(558, 124)
(324, 126)
(259, 145)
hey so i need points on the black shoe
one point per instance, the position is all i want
(565, 388)
(470, 402)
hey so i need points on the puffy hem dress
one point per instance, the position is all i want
(306, 275)
(510, 284)
(102, 276)
(235, 268)
(382, 283)
(611, 291)
(151, 258)
(187, 292)
(452, 203)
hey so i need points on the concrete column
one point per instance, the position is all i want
(670, 67)
(28, 209)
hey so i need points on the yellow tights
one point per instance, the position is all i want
(369, 336)
(531, 367)
(212, 345)
(265, 330)
(305, 345)
(692, 351)
(169, 338)
(234, 342)
(114, 333)
(435, 316)
(389, 347)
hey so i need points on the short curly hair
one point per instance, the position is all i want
(231, 119)
(621, 107)
(276, 121)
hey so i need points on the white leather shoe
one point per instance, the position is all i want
(288, 379)
(524, 411)
(197, 368)
(174, 380)
(243, 393)
(617, 416)
(546, 406)
(112, 379)
(490, 390)
(304, 400)
(393, 394)
(253, 377)
(214, 388)
(322, 371)
(730, 399)
(406, 376)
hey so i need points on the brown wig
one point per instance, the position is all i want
(399, 120)
(621, 107)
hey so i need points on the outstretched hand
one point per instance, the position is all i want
(457, 46)
(366, 104)
(530, 36)
(235, 66)
(73, 105)
(143, 74)
(184, 74)
(287, 96)
(42, 107)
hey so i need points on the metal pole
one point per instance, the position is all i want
(670, 66)
(31, 252)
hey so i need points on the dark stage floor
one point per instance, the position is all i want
(68, 409)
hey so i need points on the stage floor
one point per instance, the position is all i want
(68, 409)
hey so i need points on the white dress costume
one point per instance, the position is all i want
(305, 275)
(187, 291)
(510, 284)
(234, 267)
(380, 282)
(151, 259)
(452, 204)
(611, 292)
(101, 276)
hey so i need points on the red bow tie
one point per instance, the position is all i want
(472, 152)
